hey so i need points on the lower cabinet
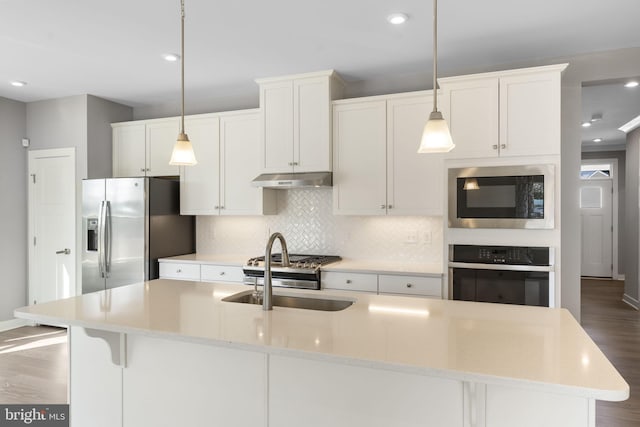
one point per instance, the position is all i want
(319, 394)
(180, 271)
(390, 284)
(174, 383)
(221, 273)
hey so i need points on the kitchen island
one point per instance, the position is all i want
(167, 352)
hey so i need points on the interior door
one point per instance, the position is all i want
(126, 239)
(596, 211)
(52, 219)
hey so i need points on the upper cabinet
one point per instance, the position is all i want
(226, 146)
(295, 122)
(143, 148)
(507, 113)
(377, 170)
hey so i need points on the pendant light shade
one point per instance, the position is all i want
(436, 137)
(182, 154)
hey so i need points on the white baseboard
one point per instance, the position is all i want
(631, 301)
(12, 324)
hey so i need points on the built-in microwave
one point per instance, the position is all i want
(502, 197)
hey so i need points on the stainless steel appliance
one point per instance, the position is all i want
(303, 270)
(502, 274)
(127, 224)
(502, 197)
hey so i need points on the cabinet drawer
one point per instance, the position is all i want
(350, 281)
(410, 285)
(221, 273)
(173, 270)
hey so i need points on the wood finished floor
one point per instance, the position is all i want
(33, 360)
(615, 328)
(33, 365)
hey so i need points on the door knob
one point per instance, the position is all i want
(65, 251)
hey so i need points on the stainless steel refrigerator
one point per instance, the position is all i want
(128, 223)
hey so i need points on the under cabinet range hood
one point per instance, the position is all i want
(293, 180)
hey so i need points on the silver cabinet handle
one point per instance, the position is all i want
(409, 285)
(495, 146)
(65, 251)
(216, 207)
(295, 163)
(348, 281)
(290, 163)
(179, 270)
(390, 206)
(141, 169)
(503, 146)
(221, 207)
(383, 206)
(222, 273)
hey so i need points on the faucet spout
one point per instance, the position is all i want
(267, 297)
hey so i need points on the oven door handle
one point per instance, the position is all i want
(504, 267)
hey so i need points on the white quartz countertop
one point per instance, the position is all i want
(346, 265)
(539, 348)
(232, 260)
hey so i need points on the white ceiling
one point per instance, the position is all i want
(113, 49)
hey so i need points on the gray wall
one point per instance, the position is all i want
(13, 222)
(631, 286)
(100, 114)
(621, 172)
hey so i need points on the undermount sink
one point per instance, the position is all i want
(291, 301)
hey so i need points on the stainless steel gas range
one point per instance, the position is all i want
(303, 270)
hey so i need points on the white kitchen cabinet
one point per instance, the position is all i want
(359, 169)
(129, 151)
(180, 271)
(377, 170)
(226, 146)
(358, 396)
(221, 273)
(506, 113)
(196, 388)
(410, 285)
(143, 148)
(295, 122)
(200, 184)
(362, 282)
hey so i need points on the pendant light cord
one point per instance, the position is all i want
(182, 62)
(435, 55)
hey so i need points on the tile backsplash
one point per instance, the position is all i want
(306, 220)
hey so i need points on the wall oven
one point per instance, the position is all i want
(502, 197)
(502, 274)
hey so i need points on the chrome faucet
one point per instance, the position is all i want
(267, 295)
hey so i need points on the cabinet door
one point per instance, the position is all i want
(239, 165)
(530, 114)
(200, 184)
(311, 124)
(410, 285)
(129, 150)
(361, 282)
(415, 182)
(471, 110)
(161, 137)
(276, 109)
(359, 165)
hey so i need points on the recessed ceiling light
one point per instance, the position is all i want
(171, 57)
(596, 117)
(597, 140)
(18, 83)
(397, 18)
(631, 84)
(586, 125)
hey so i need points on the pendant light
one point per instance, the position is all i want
(436, 137)
(182, 154)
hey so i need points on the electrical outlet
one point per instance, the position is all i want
(412, 237)
(427, 237)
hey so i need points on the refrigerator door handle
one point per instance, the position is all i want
(107, 243)
(101, 239)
